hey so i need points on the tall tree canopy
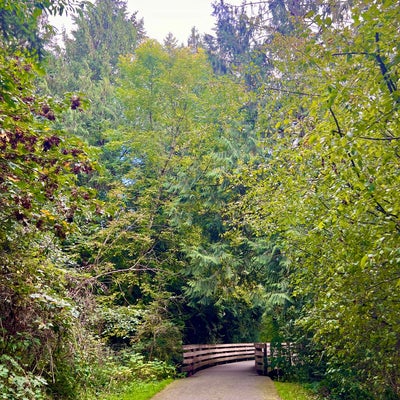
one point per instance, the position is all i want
(174, 152)
(330, 184)
(104, 31)
(23, 24)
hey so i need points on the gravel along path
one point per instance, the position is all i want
(236, 381)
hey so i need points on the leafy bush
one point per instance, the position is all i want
(158, 336)
(36, 332)
(126, 369)
(146, 370)
(119, 325)
(16, 383)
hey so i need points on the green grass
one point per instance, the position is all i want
(293, 391)
(139, 391)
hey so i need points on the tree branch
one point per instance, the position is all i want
(391, 85)
(385, 73)
(291, 92)
(353, 53)
(379, 206)
(340, 132)
(379, 139)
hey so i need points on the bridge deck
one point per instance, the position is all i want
(236, 381)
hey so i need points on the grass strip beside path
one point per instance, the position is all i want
(293, 391)
(139, 391)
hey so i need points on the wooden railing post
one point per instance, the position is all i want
(265, 359)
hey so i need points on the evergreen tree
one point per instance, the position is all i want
(180, 141)
(87, 69)
(104, 31)
(194, 41)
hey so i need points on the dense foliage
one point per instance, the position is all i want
(242, 188)
(40, 205)
(329, 187)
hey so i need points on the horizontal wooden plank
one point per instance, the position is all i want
(211, 353)
(215, 348)
(215, 351)
(216, 361)
(247, 354)
(222, 348)
(214, 356)
(226, 345)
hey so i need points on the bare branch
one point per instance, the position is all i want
(379, 139)
(291, 92)
(353, 53)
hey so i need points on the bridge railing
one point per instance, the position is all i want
(199, 356)
(274, 357)
(262, 352)
(269, 358)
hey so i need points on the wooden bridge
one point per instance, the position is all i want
(237, 379)
(267, 357)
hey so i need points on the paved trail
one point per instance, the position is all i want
(237, 381)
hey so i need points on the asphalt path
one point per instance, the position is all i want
(236, 381)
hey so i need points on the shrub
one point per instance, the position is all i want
(16, 383)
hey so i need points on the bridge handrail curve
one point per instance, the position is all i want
(265, 355)
(199, 356)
